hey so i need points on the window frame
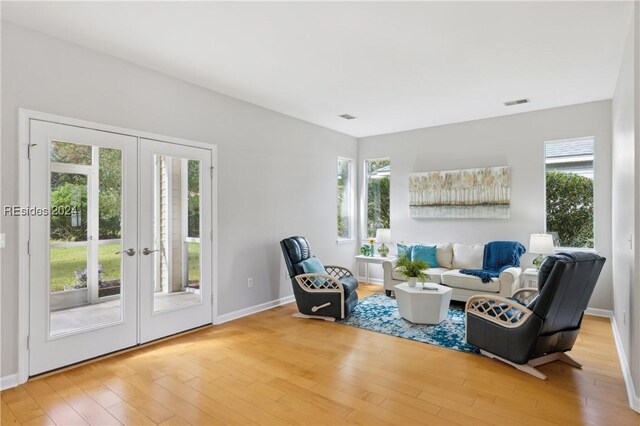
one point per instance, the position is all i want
(544, 190)
(364, 199)
(350, 202)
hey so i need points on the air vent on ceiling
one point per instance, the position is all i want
(347, 116)
(517, 102)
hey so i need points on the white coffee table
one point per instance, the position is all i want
(423, 306)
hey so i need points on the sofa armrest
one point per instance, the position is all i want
(509, 281)
(388, 266)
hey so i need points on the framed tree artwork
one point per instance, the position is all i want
(461, 194)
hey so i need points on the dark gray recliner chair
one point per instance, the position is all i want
(539, 324)
(328, 296)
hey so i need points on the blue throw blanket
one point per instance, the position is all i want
(498, 256)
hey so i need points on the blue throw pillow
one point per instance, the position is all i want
(314, 266)
(426, 254)
(403, 250)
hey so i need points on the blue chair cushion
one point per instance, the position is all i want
(314, 266)
(516, 300)
(350, 284)
(502, 311)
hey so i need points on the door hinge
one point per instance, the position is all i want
(28, 247)
(29, 149)
(28, 342)
(212, 298)
(211, 236)
(212, 171)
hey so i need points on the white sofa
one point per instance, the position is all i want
(451, 258)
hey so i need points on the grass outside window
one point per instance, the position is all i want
(67, 260)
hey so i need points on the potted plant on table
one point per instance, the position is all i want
(412, 269)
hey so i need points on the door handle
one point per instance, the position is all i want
(130, 252)
(147, 252)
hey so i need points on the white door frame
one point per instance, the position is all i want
(24, 137)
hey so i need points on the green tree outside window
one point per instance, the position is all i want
(570, 209)
(344, 204)
(378, 195)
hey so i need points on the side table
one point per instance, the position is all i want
(370, 259)
(530, 278)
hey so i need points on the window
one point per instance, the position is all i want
(569, 192)
(377, 180)
(345, 199)
(191, 200)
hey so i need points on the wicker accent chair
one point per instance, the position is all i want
(328, 296)
(537, 325)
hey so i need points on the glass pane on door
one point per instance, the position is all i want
(109, 227)
(70, 153)
(85, 230)
(176, 233)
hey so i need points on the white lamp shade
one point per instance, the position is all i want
(541, 244)
(383, 235)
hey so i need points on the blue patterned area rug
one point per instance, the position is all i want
(380, 313)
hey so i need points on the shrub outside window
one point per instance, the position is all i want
(377, 195)
(569, 167)
(345, 199)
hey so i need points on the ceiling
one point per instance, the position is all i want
(394, 65)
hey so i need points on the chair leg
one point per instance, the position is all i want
(525, 368)
(572, 362)
(529, 367)
(557, 356)
(320, 317)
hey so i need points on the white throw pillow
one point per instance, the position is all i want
(444, 255)
(467, 256)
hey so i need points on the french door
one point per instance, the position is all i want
(174, 238)
(119, 245)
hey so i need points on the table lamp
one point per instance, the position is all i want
(383, 235)
(541, 244)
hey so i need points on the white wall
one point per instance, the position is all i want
(625, 123)
(516, 141)
(623, 179)
(277, 175)
(635, 289)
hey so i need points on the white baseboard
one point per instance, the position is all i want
(371, 280)
(606, 313)
(9, 381)
(253, 309)
(634, 400)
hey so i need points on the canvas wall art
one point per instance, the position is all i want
(461, 194)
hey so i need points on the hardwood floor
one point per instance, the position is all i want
(271, 368)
